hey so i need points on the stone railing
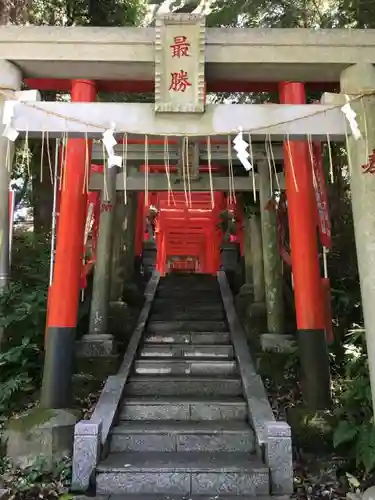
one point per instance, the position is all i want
(273, 438)
(91, 436)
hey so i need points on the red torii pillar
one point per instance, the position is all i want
(64, 293)
(308, 293)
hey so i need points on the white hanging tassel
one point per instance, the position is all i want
(350, 115)
(240, 145)
(110, 142)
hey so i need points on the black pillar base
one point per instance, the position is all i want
(229, 257)
(58, 368)
(316, 379)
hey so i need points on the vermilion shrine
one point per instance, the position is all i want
(196, 186)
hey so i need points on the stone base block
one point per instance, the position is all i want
(96, 346)
(108, 365)
(278, 342)
(312, 430)
(41, 434)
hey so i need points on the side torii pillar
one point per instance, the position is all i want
(273, 276)
(308, 290)
(64, 300)
(10, 81)
(98, 341)
(359, 80)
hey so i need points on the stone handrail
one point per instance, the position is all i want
(273, 438)
(91, 436)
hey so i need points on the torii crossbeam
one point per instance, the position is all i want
(279, 121)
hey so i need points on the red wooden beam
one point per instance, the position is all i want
(132, 86)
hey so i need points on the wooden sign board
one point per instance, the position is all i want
(179, 64)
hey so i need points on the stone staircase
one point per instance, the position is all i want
(183, 425)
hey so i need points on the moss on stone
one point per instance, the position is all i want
(31, 419)
(311, 431)
(36, 417)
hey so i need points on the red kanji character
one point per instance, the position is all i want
(180, 47)
(370, 167)
(106, 207)
(180, 81)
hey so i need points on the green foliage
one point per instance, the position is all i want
(272, 13)
(20, 366)
(355, 430)
(84, 13)
(38, 481)
(22, 317)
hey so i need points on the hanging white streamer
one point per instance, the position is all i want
(114, 161)
(110, 142)
(240, 145)
(351, 115)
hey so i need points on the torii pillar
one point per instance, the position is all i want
(54, 420)
(64, 300)
(273, 276)
(10, 81)
(308, 292)
(98, 341)
(356, 80)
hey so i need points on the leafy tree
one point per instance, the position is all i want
(87, 12)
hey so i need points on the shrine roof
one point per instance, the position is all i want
(231, 53)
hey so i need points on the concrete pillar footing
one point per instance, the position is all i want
(96, 346)
(41, 434)
(278, 342)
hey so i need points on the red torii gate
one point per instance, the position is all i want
(309, 297)
(179, 227)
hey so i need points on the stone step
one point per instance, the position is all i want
(194, 315)
(183, 473)
(196, 278)
(194, 338)
(151, 496)
(162, 305)
(187, 385)
(189, 296)
(187, 285)
(187, 367)
(190, 300)
(189, 292)
(180, 408)
(187, 351)
(162, 327)
(179, 282)
(172, 435)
